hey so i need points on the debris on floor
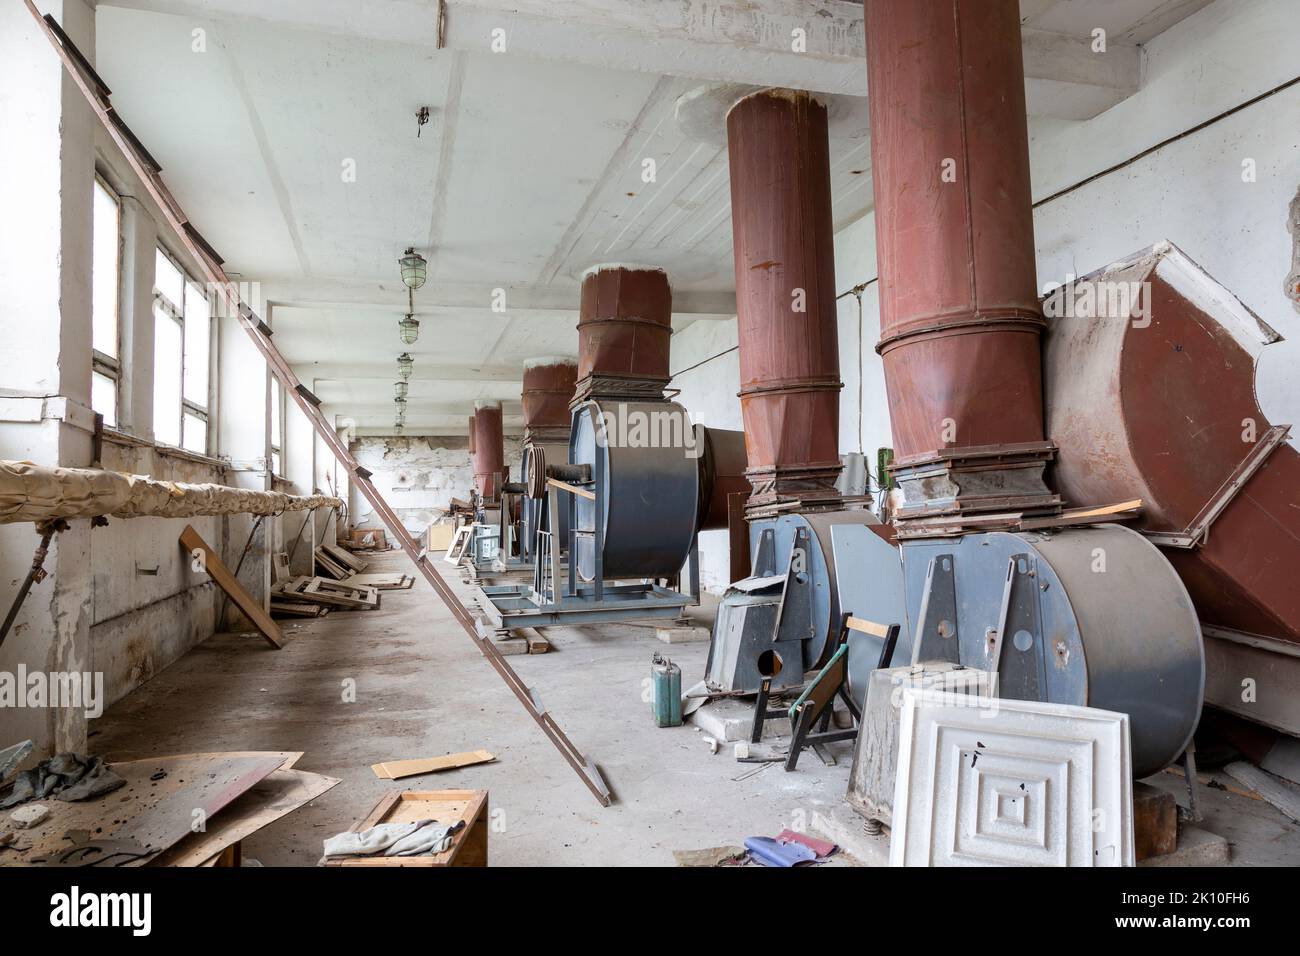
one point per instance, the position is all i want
(397, 769)
(154, 805)
(65, 776)
(422, 818)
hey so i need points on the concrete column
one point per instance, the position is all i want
(779, 156)
(299, 530)
(46, 190)
(244, 436)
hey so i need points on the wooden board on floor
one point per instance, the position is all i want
(265, 802)
(382, 581)
(469, 847)
(397, 769)
(331, 567)
(193, 542)
(155, 809)
(345, 558)
(439, 536)
(296, 608)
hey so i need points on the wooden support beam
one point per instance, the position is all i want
(193, 542)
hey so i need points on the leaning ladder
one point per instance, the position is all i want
(210, 263)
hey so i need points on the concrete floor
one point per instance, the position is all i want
(422, 690)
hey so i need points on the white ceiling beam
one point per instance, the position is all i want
(714, 40)
(390, 296)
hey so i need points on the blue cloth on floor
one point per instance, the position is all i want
(771, 852)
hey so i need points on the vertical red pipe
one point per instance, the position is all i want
(960, 320)
(779, 157)
(624, 327)
(547, 390)
(489, 450)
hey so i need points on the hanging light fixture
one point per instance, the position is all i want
(405, 365)
(415, 269)
(401, 389)
(408, 327)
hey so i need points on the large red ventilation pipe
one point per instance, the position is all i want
(960, 319)
(779, 158)
(624, 327)
(548, 388)
(488, 450)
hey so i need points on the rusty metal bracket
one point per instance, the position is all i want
(1199, 529)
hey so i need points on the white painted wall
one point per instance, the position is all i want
(1190, 191)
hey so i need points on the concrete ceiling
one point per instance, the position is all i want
(529, 171)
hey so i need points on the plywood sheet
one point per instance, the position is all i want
(163, 799)
(268, 800)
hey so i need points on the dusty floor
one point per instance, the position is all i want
(422, 689)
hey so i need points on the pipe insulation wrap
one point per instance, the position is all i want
(31, 492)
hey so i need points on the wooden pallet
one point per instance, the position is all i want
(336, 594)
(345, 558)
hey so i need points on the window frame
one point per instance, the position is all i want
(277, 427)
(102, 363)
(176, 312)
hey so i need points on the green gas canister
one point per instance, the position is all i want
(666, 680)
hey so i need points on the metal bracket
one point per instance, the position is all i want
(1021, 669)
(936, 630)
(794, 616)
(765, 558)
(1199, 529)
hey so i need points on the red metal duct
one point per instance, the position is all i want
(960, 319)
(785, 297)
(624, 327)
(488, 450)
(548, 388)
(1151, 394)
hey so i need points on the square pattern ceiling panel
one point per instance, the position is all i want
(992, 782)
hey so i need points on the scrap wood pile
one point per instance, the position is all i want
(343, 585)
(74, 810)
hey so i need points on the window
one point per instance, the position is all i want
(182, 357)
(105, 300)
(277, 424)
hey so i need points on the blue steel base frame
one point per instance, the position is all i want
(521, 605)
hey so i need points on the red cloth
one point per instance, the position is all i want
(820, 847)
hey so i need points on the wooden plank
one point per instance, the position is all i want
(469, 847)
(265, 802)
(1278, 792)
(295, 608)
(193, 542)
(867, 627)
(397, 769)
(345, 558)
(394, 581)
(331, 567)
(572, 489)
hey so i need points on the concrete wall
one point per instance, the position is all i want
(1190, 191)
(418, 476)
